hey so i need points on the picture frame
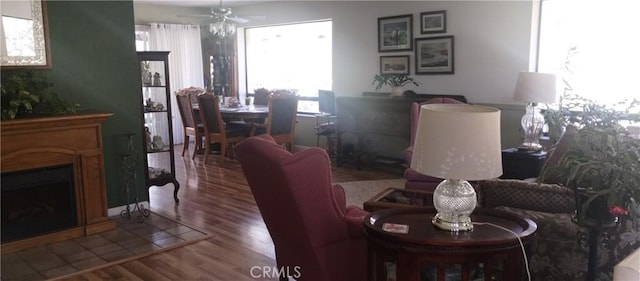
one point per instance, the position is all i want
(394, 65)
(395, 33)
(435, 55)
(433, 22)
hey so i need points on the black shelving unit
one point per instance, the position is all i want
(157, 128)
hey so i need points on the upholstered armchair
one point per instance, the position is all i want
(560, 251)
(312, 229)
(414, 179)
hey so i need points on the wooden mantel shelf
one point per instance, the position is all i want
(32, 143)
(9, 126)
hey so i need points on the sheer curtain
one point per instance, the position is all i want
(185, 62)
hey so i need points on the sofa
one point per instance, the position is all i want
(560, 250)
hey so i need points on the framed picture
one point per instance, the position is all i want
(433, 22)
(395, 33)
(434, 55)
(394, 65)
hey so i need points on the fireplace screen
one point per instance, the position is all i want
(37, 201)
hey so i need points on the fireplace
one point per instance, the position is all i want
(53, 185)
(37, 201)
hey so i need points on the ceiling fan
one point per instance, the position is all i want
(221, 13)
(223, 21)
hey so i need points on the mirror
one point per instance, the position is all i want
(24, 38)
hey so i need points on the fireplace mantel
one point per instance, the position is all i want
(48, 141)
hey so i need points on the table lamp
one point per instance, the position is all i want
(533, 88)
(457, 142)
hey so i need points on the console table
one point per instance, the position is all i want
(370, 116)
(428, 253)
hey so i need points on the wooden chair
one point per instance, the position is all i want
(281, 121)
(190, 123)
(261, 96)
(215, 129)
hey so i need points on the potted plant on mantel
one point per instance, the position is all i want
(603, 165)
(396, 81)
(27, 94)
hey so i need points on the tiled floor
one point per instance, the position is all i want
(128, 239)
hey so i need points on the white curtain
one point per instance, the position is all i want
(185, 62)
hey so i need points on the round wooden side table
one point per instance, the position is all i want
(428, 253)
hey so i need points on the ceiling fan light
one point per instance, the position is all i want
(230, 28)
(222, 28)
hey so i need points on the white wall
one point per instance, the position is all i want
(492, 44)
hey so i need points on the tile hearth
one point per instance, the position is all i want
(127, 240)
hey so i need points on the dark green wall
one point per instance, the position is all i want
(95, 65)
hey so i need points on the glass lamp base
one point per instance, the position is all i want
(532, 123)
(530, 146)
(454, 200)
(460, 224)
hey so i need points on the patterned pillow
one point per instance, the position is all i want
(556, 154)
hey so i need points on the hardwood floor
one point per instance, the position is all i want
(217, 200)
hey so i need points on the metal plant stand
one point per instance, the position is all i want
(597, 234)
(134, 208)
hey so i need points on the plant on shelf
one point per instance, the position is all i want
(396, 81)
(26, 94)
(602, 164)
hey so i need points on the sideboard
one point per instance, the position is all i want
(365, 117)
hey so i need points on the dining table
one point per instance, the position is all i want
(241, 111)
(247, 114)
(244, 111)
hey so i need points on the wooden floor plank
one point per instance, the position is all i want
(218, 200)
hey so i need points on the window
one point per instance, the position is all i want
(292, 56)
(604, 34)
(142, 38)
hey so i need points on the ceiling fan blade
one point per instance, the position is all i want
(237, 20)
(195, 16)
(254, 17)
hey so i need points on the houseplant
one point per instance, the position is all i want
(602, 164)
(26, 93)
(557, 118)
(396, 81)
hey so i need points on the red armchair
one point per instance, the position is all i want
(314, 233)
(415, 180)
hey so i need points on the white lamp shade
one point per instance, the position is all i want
(535, 87)
(458, 141)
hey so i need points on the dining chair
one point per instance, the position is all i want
(260, 96)
(215, 129)
(281, 120)
(190, 122)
